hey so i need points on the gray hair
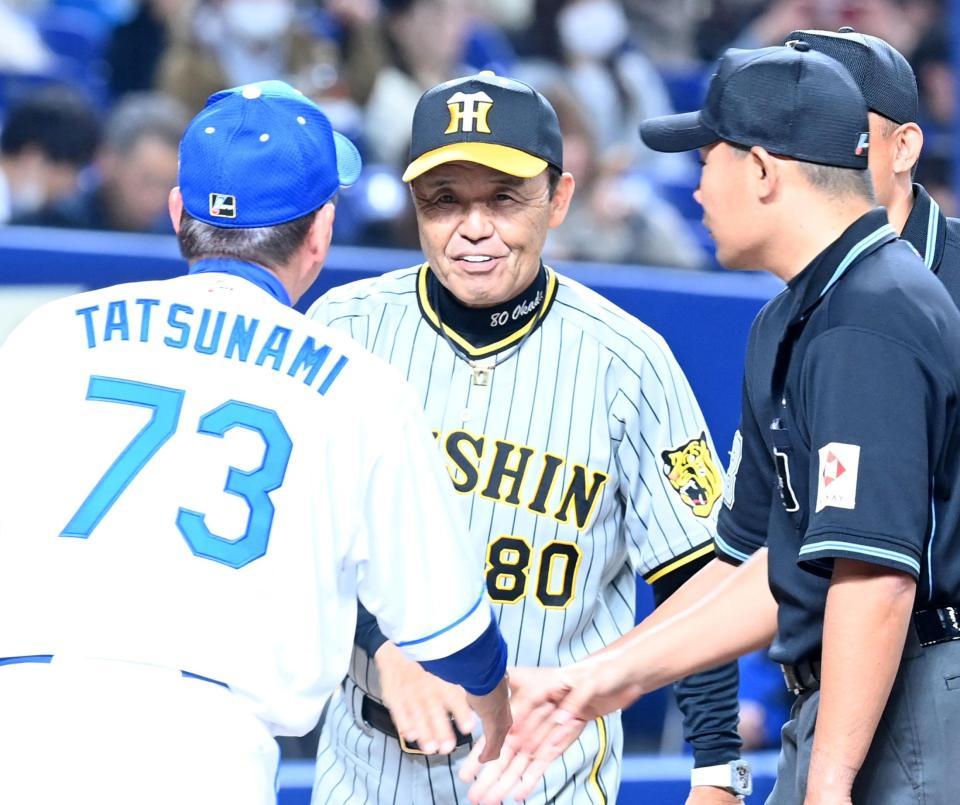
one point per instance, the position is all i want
(269, 246)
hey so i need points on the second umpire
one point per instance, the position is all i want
(889, 87)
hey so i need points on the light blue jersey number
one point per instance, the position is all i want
(253, 486)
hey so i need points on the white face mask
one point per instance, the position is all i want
(29, 196)
(257, 21)
(592, 29)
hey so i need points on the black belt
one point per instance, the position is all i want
(937, 625)
(46, 658)
(377, 716)
(801, 677)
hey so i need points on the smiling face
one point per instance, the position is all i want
(483, 231)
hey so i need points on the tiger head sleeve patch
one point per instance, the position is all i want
(693, 473)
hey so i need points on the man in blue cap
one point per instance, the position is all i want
(844, 469)
(187, 462)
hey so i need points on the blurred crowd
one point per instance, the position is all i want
(94, 95)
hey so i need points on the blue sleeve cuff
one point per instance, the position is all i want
(479, 667)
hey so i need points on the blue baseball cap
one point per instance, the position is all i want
(792, 101)
(261, 155)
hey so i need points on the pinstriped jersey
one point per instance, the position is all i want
(584, 459)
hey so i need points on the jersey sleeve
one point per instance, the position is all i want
(418, 574)
(671, 480)
(747, 491)
(871, 405)
(672, 487)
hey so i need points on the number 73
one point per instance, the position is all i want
(253, 486)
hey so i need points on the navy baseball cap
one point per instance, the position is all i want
(261, 155)
(498, 122)
(884, 76)
(793, 102)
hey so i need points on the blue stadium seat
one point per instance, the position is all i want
(687, 86)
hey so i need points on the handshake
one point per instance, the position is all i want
(535, 714)
(526, 727)
(550, 708)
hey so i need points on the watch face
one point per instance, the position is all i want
(741, 778)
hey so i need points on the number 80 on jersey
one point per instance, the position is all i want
(508, 568)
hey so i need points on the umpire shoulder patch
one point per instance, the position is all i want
(693, 474)
(837, 478)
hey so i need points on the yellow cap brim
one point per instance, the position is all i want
(499, 157)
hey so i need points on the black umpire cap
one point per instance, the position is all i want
(884, 76)
(793, 102)
(498, 122)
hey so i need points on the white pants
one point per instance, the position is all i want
(94, 732)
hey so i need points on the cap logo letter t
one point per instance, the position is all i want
(469, 112)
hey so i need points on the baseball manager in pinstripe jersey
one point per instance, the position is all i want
(573, 443)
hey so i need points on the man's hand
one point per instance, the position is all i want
(709, 795)
(551, 707)
(494, 712)
(421, 704)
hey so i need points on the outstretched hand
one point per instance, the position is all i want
(551, 707)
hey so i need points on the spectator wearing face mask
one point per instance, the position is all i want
(44, 144)
(616, 215)
(137, 167)
(226, 43)
(611, 78)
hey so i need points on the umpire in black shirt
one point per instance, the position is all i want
(890, 89)
(846, 466)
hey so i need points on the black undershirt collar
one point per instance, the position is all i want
(482, 327)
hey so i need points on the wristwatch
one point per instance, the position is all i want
(733, 777)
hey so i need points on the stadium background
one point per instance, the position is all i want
(139, 69)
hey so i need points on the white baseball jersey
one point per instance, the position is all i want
(584, 461)
(195, 476)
